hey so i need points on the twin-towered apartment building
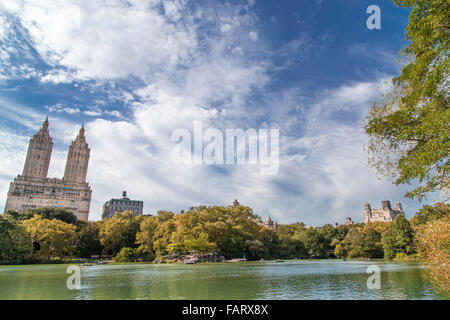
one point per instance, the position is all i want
(33, 189)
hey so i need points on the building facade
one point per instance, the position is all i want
(269, 224)
(384, 214)
(33, 189)
(348, 221)
(121, 205)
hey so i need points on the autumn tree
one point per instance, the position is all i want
(434, 246)
(126, 254)
(54, 238)
(119, 231)
(340, 250)
(199, 244)
(429, 213)
(409, 128)
(146, 236)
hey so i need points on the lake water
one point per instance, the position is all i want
(320, 279)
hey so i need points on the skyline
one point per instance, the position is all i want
(134, 73)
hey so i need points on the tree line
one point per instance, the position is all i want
(41, 235)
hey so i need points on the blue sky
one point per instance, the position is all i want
(133, 71)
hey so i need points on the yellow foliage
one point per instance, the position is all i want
(55, 237)
(434, 246)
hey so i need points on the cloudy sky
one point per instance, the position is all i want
(134, 71)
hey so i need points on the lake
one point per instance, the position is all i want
(317, 279)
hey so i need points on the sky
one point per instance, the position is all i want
(134, 71)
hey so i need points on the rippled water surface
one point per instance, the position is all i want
(321, 279)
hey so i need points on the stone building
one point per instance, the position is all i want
(269, 224)
(348, 221)
(33, 189)
(121, 205)
(384, 214)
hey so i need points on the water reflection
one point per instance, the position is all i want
(322, 279)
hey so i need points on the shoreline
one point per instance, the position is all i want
(214, 263)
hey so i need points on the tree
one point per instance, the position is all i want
(88, 239)
(398, 238)
(434, 246)
(329, 233)
(15, 243)
(199, 244)
(164, 216)
(119, 231)
(371, 246)
(255, 249)
(145, 236)
(126, 254)
(177, 243)
(50, 214)
(353, 238)
(340, 251)
(162, 237)
(314, 243)
(429, 213)
(54, 237)
(409, 128)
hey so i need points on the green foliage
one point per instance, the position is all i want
(47, 214)
(341, 232)
(353, 238)
(329, 233)
(292, 249)
(255, 249)
(126, 254)
(409, 128)
(145, 236)
(15, 243)
(199, 244)
(398, 238)
(88, 239)
(231, 232)
(430, 213)
(370, 245)
(315, 244)
(119, 231)
(340, 251)
(355, 253)
(52, 238)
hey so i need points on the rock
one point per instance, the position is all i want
(192, 258)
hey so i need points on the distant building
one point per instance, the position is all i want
(385, 214)
(33, 189)
(194, 208)
(348, 221)
(121, 205)
(269, 224)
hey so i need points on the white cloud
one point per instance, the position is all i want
(253, 35)
(186, 74)
(97, 41)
